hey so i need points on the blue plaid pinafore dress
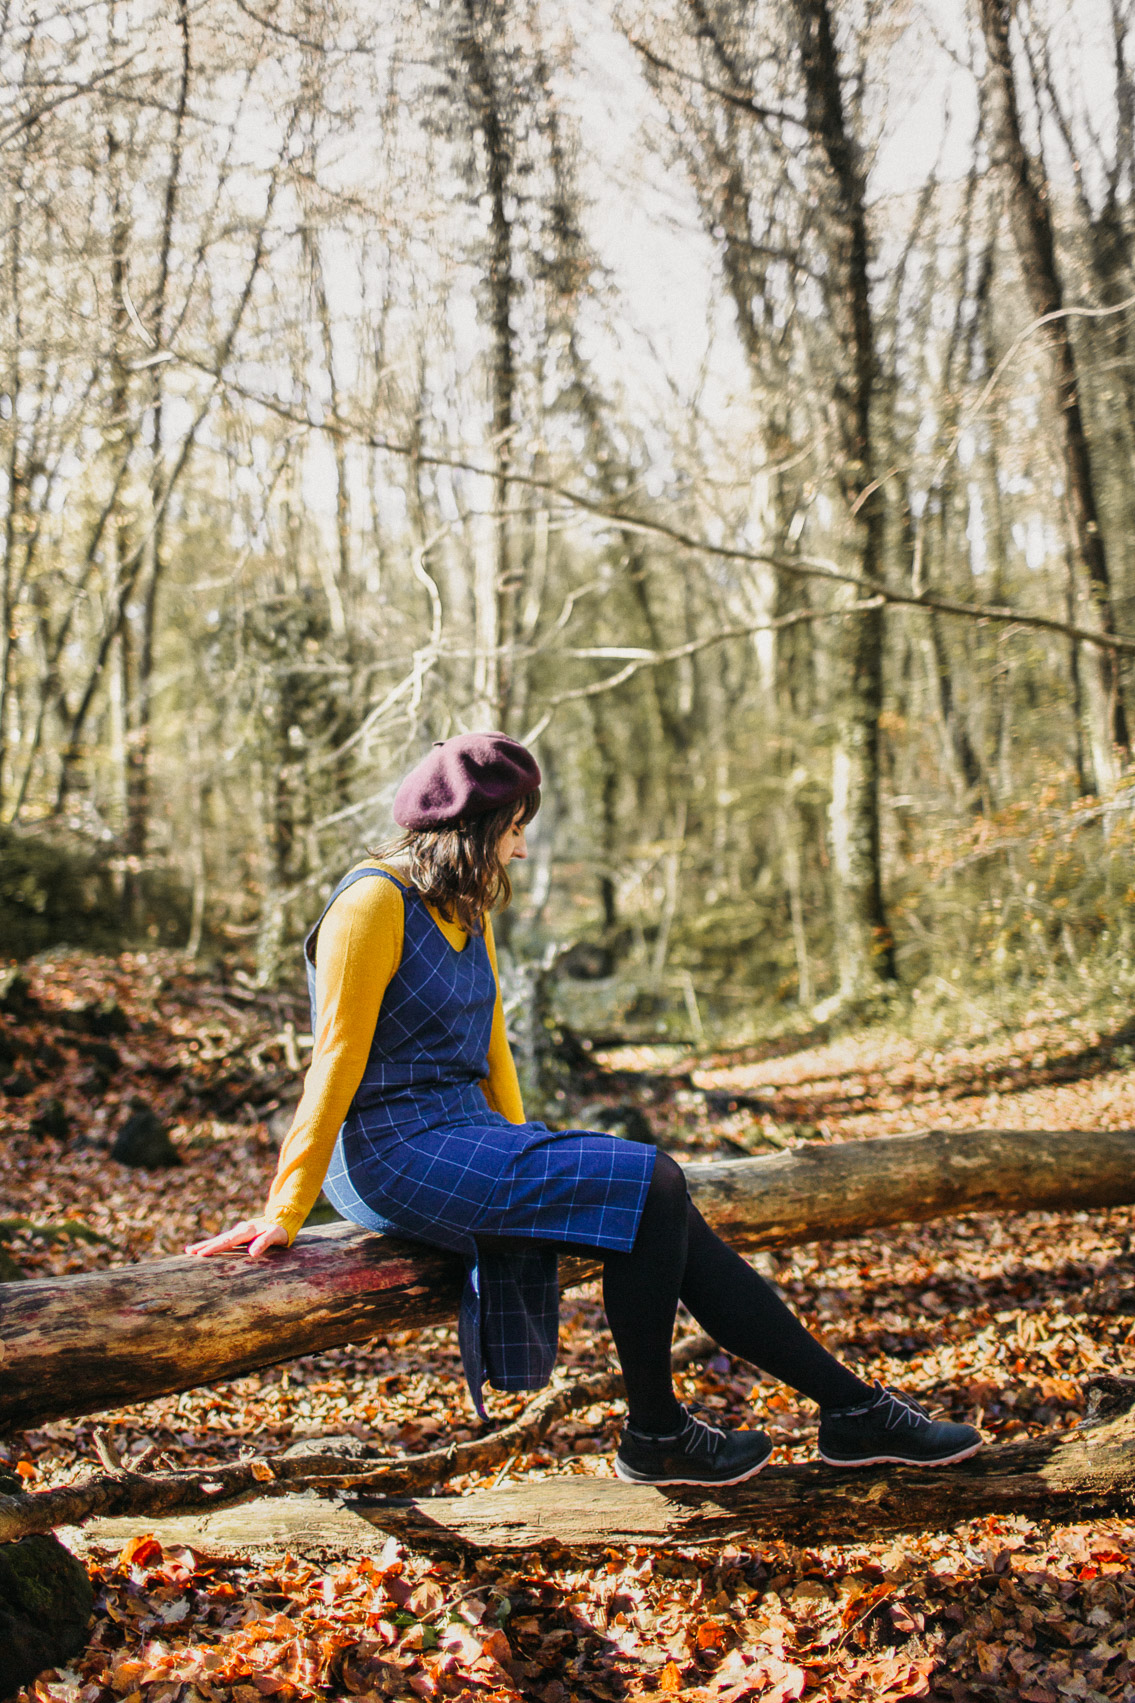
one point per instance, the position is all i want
(421, 1154)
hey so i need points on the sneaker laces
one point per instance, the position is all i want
(698, 1437)
(895, 1409)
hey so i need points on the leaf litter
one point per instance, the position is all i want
(996, 1321)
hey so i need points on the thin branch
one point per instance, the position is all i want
(656, 659)
(803, 567)
(733, 97)
(273, 28)
(74, 92)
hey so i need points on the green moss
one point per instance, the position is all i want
(46, 1601)
(59, 891)
(67, 1230)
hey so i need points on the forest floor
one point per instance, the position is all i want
(997, 1321)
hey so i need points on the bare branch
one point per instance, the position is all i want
(803, 567)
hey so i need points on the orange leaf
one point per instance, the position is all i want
(710, 1635)
(124, 1673)
(25, 1469)
(427, 1598)
(860, 1606)
(497, 1646)
(788, 1682)
(141, 1551)
(670, 1679)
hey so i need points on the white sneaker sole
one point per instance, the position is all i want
(698, 1483)
(903, 1460)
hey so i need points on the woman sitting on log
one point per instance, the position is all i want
(411, 1120)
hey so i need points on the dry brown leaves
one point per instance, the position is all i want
(997, 1321)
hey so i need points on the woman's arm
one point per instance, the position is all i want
(360, 947)
(501, 1088)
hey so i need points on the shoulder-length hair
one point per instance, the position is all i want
(456, 867)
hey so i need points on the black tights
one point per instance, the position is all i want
(676, 1257)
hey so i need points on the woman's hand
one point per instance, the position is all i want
(251, 1231)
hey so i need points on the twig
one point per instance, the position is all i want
(106, 1450)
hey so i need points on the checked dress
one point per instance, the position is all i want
(421, 1154)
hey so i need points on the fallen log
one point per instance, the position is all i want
(83, 1344)
(327, 1463)
(1067, 1475)
(1064, 1476)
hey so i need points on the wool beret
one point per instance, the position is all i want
(465, 776)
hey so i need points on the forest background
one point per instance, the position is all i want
(735, 401)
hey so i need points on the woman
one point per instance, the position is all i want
(411, 1119)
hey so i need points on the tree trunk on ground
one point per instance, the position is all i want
(1066, 1475)
(1036, 250)
(76, 1345)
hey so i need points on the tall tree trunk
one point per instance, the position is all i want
(483, 50)
(126, 560)
(16, 477)
(865, 946)
(1031, 225)
(608, 816)
(139, 705)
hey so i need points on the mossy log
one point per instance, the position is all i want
(82, 1344)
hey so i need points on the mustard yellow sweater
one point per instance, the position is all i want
(360, 947)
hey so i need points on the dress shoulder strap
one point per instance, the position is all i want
(348, 880)
(313, 933)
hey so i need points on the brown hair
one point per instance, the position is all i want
(456, 867)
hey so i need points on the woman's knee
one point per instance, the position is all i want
(667, 1193)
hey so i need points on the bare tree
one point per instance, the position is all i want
(1028, 198)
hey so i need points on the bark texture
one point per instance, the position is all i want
(864, 943)
(1035, 242)
(80, 1344)
(1070, 1475)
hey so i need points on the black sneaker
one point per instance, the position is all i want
(697, 1453)
(892, 1427)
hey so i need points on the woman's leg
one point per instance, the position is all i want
(747, 1317)
(676, 1256)
(640, 1295)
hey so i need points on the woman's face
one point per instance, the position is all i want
(512, 843)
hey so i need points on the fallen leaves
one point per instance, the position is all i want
(994, 1320)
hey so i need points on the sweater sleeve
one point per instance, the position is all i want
(359, 949)
(502, 1087)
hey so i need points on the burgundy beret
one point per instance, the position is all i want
(465, 777)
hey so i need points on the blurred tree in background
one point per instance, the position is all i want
(736, 400)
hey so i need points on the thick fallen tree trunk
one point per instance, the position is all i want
(83, 1344)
